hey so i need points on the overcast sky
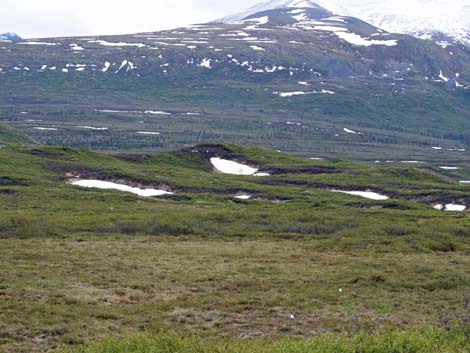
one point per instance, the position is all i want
(53, 18)
(43, 18)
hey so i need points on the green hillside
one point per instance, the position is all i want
(11, 136)
(80, 264)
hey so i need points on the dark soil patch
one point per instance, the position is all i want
(215, 150)
(176, 197)
(50, 154)
(8, 192)
(133, 158)
(7, 181)
(443, 198)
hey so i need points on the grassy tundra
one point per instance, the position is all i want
(297, 268)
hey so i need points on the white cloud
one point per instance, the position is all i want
(33, 18)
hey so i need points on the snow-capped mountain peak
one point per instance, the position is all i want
(10, 36)
(289, 3)
(436, 20)
(272, 5)
(444, 21)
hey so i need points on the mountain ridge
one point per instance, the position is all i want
(271, 5)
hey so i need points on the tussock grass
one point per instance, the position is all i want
(79, 265)
(419, 341)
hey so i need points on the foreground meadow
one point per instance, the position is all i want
(70, 291)
(295, 268)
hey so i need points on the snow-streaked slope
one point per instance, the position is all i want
(443, 21)
(309, 16)
(440, 20)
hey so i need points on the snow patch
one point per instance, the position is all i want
(106, 185)
(93, 128)
(450, 207)
(206, 63)
(301, 93)
(156, 112)
(40, 43)
(117, 44)
(256, 48)
(107, 64)
(243, 197)
(112, 111)
(356, 39)
(76, 47)
(364, 194)
(229, 167)
(45, 128)
(291, 94)
(442, 77)
(129, 65)
(148, 133)
(349, 131)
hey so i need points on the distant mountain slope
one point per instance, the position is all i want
(297, 79)
(297, 40)
(10, 36)
(443, 22)
(428, 20)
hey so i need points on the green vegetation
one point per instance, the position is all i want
(295, 268)
(246, 113)
(296, 199)
(79, 265)
(9, 136)
(429, 341)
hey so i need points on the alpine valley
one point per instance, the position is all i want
(287, 75)
(293, 178)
